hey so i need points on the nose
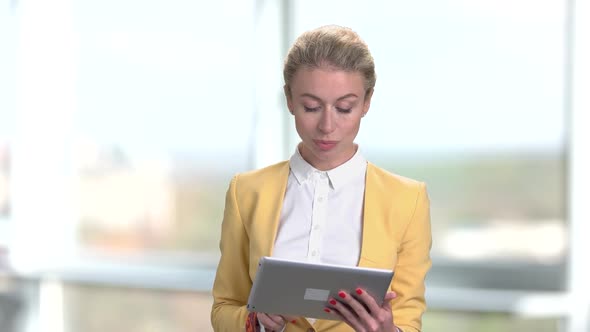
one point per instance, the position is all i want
(326, 123)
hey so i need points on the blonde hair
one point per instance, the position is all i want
(331, 46)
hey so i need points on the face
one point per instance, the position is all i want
(328, 105)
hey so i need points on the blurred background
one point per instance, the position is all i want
(122, 123)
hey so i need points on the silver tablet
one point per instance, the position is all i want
(286, 287)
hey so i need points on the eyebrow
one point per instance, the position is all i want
(319, 99)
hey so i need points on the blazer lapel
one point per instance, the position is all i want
(376, 240)
(370, 207)
(268, 209)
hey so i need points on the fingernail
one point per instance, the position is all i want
(293, 321)
(333, 302)
(342, 294)
(326, 310)
(359, 291)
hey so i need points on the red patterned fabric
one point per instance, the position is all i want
(251, 322)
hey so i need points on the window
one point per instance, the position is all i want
(140, 116)
(165, 117)
(141, 135)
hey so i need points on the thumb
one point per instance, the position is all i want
(388, 298)
(289, 319)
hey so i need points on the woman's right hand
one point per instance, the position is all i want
(274, 323)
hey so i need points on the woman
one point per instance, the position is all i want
(326, 204)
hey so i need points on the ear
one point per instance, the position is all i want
(367, 101)
(287, 92)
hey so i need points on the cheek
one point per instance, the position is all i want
(302, 123)
(352, 128)
(301, 127)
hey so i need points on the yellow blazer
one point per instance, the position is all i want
(396, 235)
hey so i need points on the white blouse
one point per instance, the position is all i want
(321, 218)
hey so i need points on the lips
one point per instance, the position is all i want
(325, 145)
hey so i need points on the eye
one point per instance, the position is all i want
(343, 110)
(311, 109)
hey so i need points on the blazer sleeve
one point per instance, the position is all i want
(232, 280)
(412, 265)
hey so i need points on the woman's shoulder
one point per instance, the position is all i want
(390, 179)
(268, 174)
(271, 170)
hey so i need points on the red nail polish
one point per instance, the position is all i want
(293, 321)
(342, 294)
(333, 302)
(326, 310)
(359, 291)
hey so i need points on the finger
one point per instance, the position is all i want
(268, 322)
(367, 299)
(345, 313)
(291, 319)
(277, 319)
(358, 309)
(387, 300)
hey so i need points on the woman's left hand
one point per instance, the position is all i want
(363, 313)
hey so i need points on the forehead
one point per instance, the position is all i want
(327, 82)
